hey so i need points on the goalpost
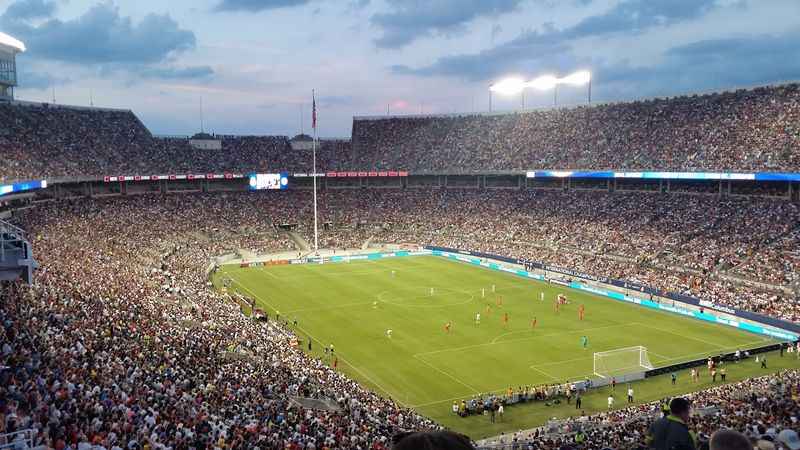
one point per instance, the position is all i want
(621, 361)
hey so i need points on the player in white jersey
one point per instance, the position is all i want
(541, 296)
(477, 318)
(389, 333)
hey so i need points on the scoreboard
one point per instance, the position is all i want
(260, 181)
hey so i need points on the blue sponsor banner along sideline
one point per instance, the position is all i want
(22, 186)
(660, 175)
(774, 327)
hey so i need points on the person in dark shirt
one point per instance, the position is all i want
(672, 432)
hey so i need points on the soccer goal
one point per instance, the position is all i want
(621, 361)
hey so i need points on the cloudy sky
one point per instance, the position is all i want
(254, 62)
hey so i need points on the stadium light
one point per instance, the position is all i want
(508, 86)
(578, 78)
(544, 82)
(515, 85)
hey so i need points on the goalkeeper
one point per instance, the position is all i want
(584, 342)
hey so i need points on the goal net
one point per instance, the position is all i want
(621, 361)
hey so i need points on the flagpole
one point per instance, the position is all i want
(314, 170)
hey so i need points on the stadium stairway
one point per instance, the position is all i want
(367, 243)
(299, 241)
(16, 256)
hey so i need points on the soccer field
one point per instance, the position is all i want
(351, 305)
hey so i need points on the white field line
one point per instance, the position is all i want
(493, 342)
(501, 287)
(664, 330)
(544, 373)
(474, 391)
(325, 308)
(339, 355)
(536, 366)
(269, 272)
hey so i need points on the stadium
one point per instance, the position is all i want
(543, 278)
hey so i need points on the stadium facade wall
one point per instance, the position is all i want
(681, 304)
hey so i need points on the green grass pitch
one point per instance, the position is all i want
(352, 305)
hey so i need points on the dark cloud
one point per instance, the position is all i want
(257, 5)
(713, 64)
(103, 40)
(412, 19)
(102, 36)
(550, 48)
(632, 16)
(29, 9)
(528, 53)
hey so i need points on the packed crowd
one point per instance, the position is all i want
(697, 246)
(121, 343)
(129, 348)
(48, 141)
(742, 130)
(760, 408)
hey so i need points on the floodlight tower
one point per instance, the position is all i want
(9, 47)
(514, 85)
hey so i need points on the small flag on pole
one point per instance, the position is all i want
(313, 110)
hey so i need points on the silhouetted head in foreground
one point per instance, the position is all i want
(729, 440)
(431, 440)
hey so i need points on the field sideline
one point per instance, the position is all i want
(351, 305)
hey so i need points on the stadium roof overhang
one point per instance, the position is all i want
(14, 44)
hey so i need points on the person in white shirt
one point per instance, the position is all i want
(630, 394)
(610, 401)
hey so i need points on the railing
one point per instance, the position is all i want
(9, 235)
(22, 439)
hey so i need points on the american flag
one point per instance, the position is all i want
(313, 110)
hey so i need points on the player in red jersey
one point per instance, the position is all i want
(505, 319)
(534, 322)
(447, 327)
(581, 311)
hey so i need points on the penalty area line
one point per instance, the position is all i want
(474, 391)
